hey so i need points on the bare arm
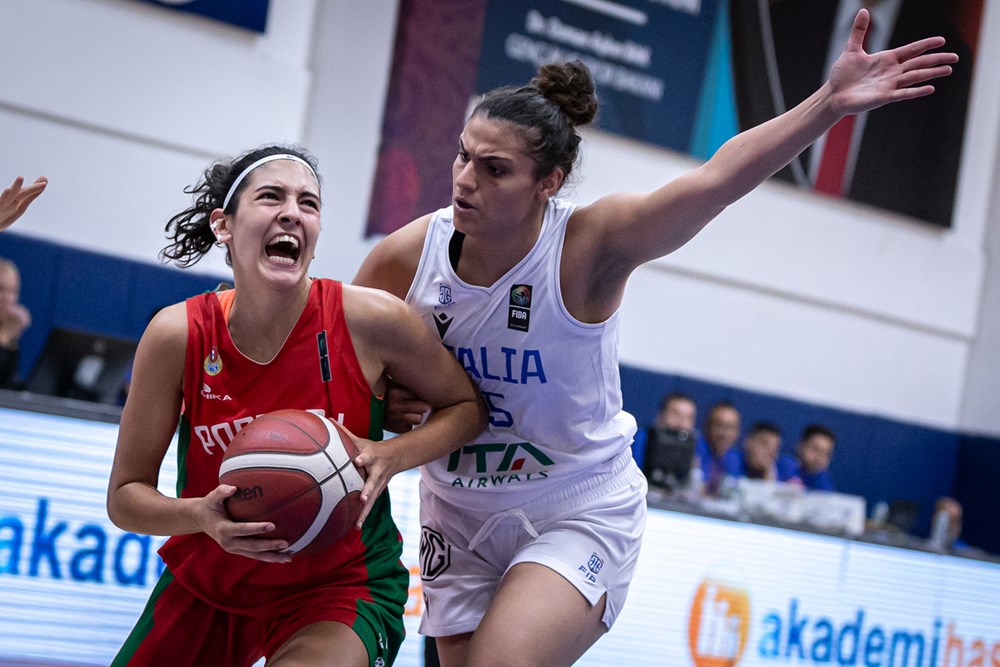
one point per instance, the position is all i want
(148, 422)
(620, 232)
(385, 328)
(391, 266)
(14, 201)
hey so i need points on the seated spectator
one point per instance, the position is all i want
(677, 411)
(721, 432)
(14, 319)
(758, 456)
(952, 539)
(811, 462)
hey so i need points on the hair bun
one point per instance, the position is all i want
(569, 85)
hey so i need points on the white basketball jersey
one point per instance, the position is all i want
(551, 382)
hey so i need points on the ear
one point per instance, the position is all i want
(220, 226)
(550, 185)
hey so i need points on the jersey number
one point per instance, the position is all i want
(498, 416)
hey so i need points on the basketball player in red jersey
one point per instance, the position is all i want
(525, 287)
(280, 339)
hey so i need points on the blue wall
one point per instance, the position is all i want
(875, 457)
(77, 289)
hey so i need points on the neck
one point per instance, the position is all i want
(260, 322)
(487, 258)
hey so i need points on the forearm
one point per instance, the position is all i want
(749, 158)
(139, 508)
(445, 430)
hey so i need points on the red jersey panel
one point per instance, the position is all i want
(316, 369)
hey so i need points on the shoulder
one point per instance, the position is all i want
(164, 343)
(371, 300)
(823, 481)
(375, 313)
(734, 453)
(169, 325)
(732, 460)
(788, 467)
(392, 263)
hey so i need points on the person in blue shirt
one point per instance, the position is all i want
(757, 458)
(715, 448)
(810, 466)
(677, 411)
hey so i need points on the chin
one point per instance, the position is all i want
(286, 275)
(466, 221)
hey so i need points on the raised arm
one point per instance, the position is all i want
(15, 200)
(635, 228)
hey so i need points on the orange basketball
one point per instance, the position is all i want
(294, 469)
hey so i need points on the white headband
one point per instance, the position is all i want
(269, 158)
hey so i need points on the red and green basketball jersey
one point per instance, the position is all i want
(316, 369)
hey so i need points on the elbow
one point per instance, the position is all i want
(115, 508)
(113, 512)
(482, 413)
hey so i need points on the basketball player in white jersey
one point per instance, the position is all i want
(530, 534)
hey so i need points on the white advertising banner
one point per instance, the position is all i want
(707, 593)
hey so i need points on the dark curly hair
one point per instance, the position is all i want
(548, 110)
(190, 229)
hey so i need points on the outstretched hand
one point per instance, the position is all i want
(861, 81)
(15, 200)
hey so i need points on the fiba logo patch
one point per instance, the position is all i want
(435, 554)
(520, 295)
(719, 623)
(519, 311)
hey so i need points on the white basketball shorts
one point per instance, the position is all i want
(589, 532)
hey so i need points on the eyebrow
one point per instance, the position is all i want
(282, 188)
(485, 158)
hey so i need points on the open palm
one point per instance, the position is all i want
(862, 81)
(15, 199)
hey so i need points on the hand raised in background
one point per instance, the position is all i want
(861, 81)
(15, 200)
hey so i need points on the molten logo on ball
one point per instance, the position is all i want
(294, 469)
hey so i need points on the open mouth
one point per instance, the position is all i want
(283, 249)
(463, 205)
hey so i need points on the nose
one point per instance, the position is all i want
(291, 212)
(465, 177)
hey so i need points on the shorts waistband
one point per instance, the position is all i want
(583, 488)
